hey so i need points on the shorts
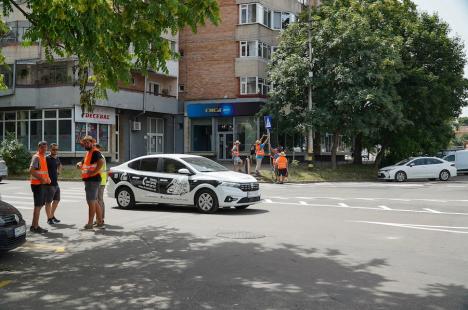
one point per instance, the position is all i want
(52, 193)
(237, 161)
(39, 195)
(282, 172)
(92, 190)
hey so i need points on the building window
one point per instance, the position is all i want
(276, 20)
(201, 134)
(153, 88)
(248, 48)
(285, 19)
(155, 135)
(248, 13)
(263, 87)
(254, 85)
(100, 132)
(267, 17)
(181, 88)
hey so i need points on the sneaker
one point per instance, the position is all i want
(56, 221)
(50, 221)
(88, 226)
(101, 225)
(38, 230)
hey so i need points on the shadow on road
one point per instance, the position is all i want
(159, 268)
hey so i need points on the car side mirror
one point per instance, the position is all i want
(183, 171)
(411, 165)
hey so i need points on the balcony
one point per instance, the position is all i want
(133, 100)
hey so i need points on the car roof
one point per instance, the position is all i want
(173, 156)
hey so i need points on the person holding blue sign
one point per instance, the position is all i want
(260, 153)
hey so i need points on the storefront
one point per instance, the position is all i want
(212, 128)
(64, 126)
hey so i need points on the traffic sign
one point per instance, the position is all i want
(267, 120)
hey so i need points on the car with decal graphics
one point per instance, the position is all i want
(181, 179)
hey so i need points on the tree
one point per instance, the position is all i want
(110, 37)
(383, 73)
(15, 154)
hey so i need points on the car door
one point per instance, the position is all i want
(146, 180)
(416, 168)
(434, 167)
(174, 187)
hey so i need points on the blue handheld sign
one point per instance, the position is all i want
(267, 120)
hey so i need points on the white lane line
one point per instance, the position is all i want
(24, 208)
(399, 199)
(366, 199)
(431, 210)
(384, 208)
(456, 186)
(365, 208)
(416, 226)
(303, 203)
(341, 204)
(316, 197)
(379, 198)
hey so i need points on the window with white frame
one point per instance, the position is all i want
(248, 13)
(153, 88)
(267, 17)
(254, 85)
(255, 49)
(155, 135)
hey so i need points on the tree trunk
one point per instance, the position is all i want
(357, 149)
(336, 139)
(378, 158)
(317, 144)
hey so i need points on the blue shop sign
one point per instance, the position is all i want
(222, 109)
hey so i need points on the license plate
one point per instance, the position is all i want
(252, 194)
(19, 231)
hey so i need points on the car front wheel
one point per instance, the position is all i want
(206, 201)
(400, 176)
(125, 198)
(444, 175)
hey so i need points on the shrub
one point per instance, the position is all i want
(15, 154)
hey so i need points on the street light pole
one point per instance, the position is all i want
(310, 134)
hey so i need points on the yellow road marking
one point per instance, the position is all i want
(4, 283)
(42, 246)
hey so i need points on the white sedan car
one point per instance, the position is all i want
(419, 168)
(181, 179)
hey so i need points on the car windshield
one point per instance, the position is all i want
(403, 162)
(203, 164)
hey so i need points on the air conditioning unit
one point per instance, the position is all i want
(136, 126)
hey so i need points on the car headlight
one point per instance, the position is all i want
(17, 218)
(231, 184)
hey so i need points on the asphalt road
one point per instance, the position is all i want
(314, 246)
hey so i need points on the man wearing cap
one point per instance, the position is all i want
(235, 152)
(91, 166)
(39, 179)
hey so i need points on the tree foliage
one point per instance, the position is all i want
(15, 154)
(381, 71)
(111, 37)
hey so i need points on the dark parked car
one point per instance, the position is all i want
(12, 227)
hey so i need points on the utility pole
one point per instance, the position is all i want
(310, 133)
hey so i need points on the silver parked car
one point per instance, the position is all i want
(3, 169)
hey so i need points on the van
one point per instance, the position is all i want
(460, 158)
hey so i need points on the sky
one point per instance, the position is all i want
(455, 13)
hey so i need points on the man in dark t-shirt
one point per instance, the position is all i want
(90, 167)
(52, 190)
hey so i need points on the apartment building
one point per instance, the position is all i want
(42, 103)
(223, 71)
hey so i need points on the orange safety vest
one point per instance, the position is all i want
(259, 151)
(282, 162)
(86, 166)
(43, 171)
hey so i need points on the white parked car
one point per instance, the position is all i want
(181, 179)
(419, 168)
(3, 169)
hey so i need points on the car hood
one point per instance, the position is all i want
(230, 176)
(389, 168)
(6, 208)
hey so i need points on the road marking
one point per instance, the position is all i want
(4, 283)
(431, 210)
(31, 198)
(342, 205)
(420, 227)
(378, 198)
(303, 203)
(42, 246)
(384, 208)
(367, 199)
